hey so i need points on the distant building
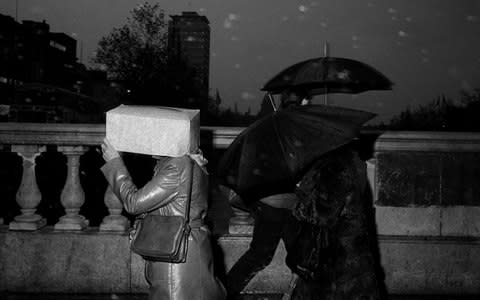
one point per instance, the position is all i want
(189, 39)
(29, 52)
(41, 79)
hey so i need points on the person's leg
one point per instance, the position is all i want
(266, 236)
(290, 229)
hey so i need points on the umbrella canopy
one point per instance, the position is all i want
(269, 156)
(329, 75)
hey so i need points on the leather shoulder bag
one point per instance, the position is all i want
(164, 238)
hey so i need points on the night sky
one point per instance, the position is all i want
(427, 48)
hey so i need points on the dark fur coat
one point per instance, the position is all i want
(334, 257)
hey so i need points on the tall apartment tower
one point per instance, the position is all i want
(189, 39)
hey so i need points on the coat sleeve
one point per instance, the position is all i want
(159, 191)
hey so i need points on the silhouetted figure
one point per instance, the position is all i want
(334, 252)
(273, 221)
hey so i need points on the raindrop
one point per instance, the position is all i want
(247, 96)
(237, 66)
(472, 18)
(424, 51)
(202, 10)
(355, 46)
(370, 4)
(324, 25)
(408, 19)
(190, 38)
(227, 24)
(394, 18)
(234, 38)
(302, 8)
(284, 18)
(73, 34)
(425, 60)
(392, 10)
(402, 33)
(314, 3)
(354, 38)
(345, 74)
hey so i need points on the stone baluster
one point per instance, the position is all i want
(72, 197)
(114, 221)
(241, 222)
(28, 195)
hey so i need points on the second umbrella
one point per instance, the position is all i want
(269, 156)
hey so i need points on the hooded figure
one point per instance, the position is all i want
(334, 255)
(166, 194)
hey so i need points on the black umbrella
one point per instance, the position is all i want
(329, 75)
(269, 156)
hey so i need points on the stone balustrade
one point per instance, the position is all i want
(29, 140)
(424, 188)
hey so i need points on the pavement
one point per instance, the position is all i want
(19, 296)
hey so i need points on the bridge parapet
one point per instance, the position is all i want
(424, 188)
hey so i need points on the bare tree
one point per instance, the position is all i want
(136, 53)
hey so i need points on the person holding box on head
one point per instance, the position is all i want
(179, 188)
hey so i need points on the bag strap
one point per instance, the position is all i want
(190, 170)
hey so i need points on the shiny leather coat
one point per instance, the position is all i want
(166, 194)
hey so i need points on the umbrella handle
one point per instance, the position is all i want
(272, 102)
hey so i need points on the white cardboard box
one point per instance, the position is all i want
(154, 130)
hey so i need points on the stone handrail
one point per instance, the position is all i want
(29, 140)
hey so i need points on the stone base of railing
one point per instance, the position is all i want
(27, 225)
(241, 223)
(115, 223)
(240, 229)
(93, 261)
(67, 223)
